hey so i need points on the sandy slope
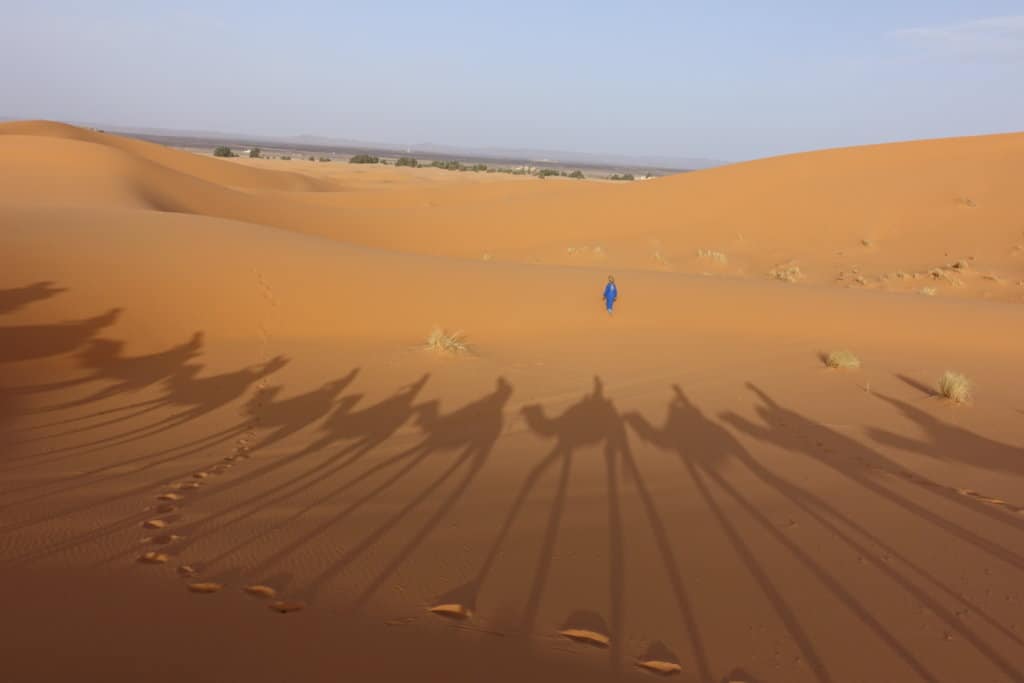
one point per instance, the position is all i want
(230, 349)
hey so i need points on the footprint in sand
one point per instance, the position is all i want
(451, 610)
(155, 524)
(260, 591)
(659, 667)
(988, 499)
(170, 496)
(659, 660)
(163, 539)
(587, 637)
(286, 606)
(187, 571)
(201, 475)
(586, 627)
(165, 508)
(205, 587)
(152, 558)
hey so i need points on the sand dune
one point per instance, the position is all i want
(874, 217)
(220, 430)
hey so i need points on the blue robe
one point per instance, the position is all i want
(611, 293)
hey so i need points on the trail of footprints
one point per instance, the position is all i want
(170, 502)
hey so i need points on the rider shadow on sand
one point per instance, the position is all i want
(788, 429)
(592, 421)
(281, 417)
(195, 395)
(15, 299)
(105, 361)
(945, 441)
(471, 431)
(32, 342)
(366, 429)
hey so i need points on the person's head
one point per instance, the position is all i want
(611, 279)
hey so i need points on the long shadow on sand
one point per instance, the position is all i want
(364, 429)
(792, 431)
(20, 343)
(104, 361)
(15, 299)
(281, 417)
(471, 431)
(192, 395)
(945, 441)
(591, 422)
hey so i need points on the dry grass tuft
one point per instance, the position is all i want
(955, 387)
(716, 256)
(844, 360)
(787, 272)
(441, 341)
(928, 291)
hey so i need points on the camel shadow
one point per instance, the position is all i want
(945, 441)
(15, 299)
(19, 343)
(789, 430)
(470, 431)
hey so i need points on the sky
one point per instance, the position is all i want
(727, 80)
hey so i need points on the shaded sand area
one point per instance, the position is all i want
(226, 454)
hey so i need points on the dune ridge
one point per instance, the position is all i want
(881, 217)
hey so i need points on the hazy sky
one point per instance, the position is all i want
(727, 80)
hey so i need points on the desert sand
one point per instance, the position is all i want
(227, 455)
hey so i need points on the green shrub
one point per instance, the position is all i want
(578, 174)
(624, 176)
(287, 158)
(364, 159)
(325, 158)
(448, 165)
(254, 153)
(223, 152)
(407, 161)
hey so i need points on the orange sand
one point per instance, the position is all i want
(225, 455)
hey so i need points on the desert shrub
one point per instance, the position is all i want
(955, 387)
(223, 152)
(477, 168)
(287, 158)
(578, 174)
(255, 153)
(844, 360)
(441, 341)
(624, 176)
(407, 161)
(545, 172)
(448, 165)
(312, 158)
(325, 159)
(364, 159)
(716, 256)
(787, 272)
